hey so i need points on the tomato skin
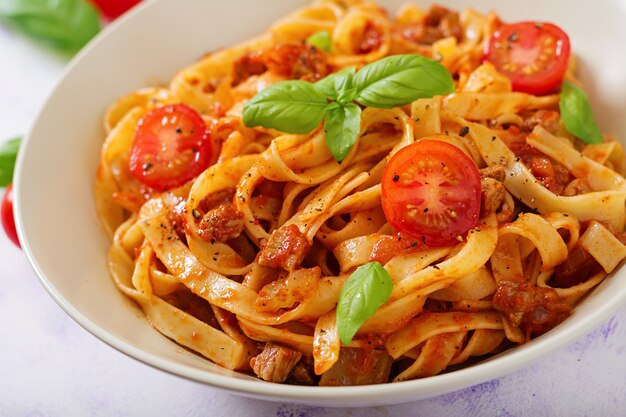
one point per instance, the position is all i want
(8, 221)
(112, 9)
(431, 190)
(172, 145)
(533, 55)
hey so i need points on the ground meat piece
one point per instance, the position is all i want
(358, 367)
(286, 292)
(493, 193)
(548, 119)
(399, 244)
(496, 172)
(303, 373)
(286, 248)
(552, 175)
(220, 224)
(275, 363)
(372, 39)
(299, 62)
(439, 23)
(248, 65)
(534, 309)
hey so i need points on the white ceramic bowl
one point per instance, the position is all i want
(61, 236)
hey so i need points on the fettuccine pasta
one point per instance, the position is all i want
(244, 261)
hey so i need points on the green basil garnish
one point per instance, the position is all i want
(338, 86)
(321, 40)
(288, 106)
(299, 106)
(363, 293)
(8, 154)
(400, 79)
(577, 114)
(66, 24)
(342, 127)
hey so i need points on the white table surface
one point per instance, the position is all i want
(50, 366)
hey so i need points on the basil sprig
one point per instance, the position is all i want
(8, 154)
(401, 79)
(66, 24)
(290, 106)
(321, 40)
(577, 114)
(299, 106)
(362, 294)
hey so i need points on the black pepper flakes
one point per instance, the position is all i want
(464, 131)
(395, 178)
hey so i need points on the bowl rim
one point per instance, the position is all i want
(490, 369)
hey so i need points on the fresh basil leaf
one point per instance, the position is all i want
(338, 86)
(288, 106)
(321, 40)
(66, 24)
(401, 79)
(341, 128)
(363, 293)
(577, 114)
(8, 154)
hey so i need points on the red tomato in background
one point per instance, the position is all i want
(111, 9)
(8, 222)
(533, 55)
(171, 146)
(431, 190)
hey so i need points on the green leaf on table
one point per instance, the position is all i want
(8, 154)
(341, 128)
(321, 40)
(577, 114)
(368, 288)
(66, 24)
(400, 79)
(288, 106)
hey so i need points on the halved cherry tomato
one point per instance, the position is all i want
(8, 222)
(171, 146)
(431, 190)
(533, 55)
(111, 9)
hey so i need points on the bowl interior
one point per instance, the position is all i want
(67, 247)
